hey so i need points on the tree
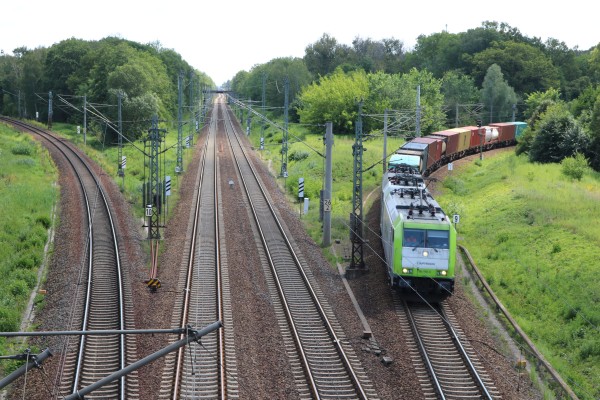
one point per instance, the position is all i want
(497, 96)
(526, 67)
(147, 87)
(574, 167)
(62, 67)
(458, 89)
(594, 63)
(558, 136)
(537, 103)
(438, 53)
(325, 55)
(399, 92)
(333, 98)
(534, 100)
(249, 85)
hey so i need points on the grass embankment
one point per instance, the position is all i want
(27, 196)
(534, 233)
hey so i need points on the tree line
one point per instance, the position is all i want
(492, 72)
(145, 76)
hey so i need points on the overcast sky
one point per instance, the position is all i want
(223, 37)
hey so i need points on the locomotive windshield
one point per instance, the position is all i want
(426, 238)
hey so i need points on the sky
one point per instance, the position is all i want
(221, 38)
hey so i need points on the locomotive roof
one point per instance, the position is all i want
(411, 198)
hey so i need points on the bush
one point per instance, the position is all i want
(22, 150)
(574, 167)
(44, 221)
(298, 155)
(9, 319)
(18, 288)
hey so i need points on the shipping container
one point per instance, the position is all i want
(411, 155)
(451, 139)
(506, 131)
(434, 150)
(477, 136)
(520, 127)
(464, 139)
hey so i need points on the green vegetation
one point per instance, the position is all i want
(27, 196)
(531, 231)
(146, 76)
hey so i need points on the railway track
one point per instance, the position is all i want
(99, 303)
(446, 366)
(199, 371)
(323, 367)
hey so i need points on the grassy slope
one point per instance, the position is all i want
(535, 236)
(27, 196)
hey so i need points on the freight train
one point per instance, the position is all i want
(419, 240)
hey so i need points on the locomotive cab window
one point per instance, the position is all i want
(414, 238)
(426, 238)
(437, 239)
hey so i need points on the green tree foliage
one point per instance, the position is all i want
(558, 136)
(575, 166)
(458, 89)
(537, 103)
(326, 54)
(20, 80)
(497, 96)
(526, 67)
(334, 98)
(62, 69)
(570, 68)
(146, 74)
(323, 56)
(249, 85)
(399, 92)
(144, 82)
(438, 53)
(373, 56)
(593, 152)
(594, 64)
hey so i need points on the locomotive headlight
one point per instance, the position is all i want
(425, 253)
(444, 273)
(406, 271)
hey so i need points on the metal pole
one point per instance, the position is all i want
(262, 129)
(120, 171)
(50, 110)
(284, 142)
(385, 129)
(418, 124)
(99, 332)
(84, 119)
(328, 184)
(19, 104)
(179, 165)
(456, 116)
(194, 336)
(356, 223)
(33, 361)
